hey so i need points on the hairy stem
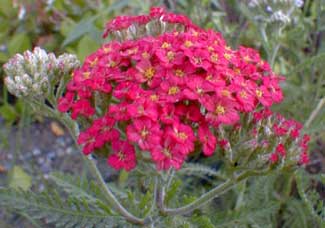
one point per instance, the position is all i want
(207, 197)
(73, 128)
(110, 196)
(315, 112)
(274, 54)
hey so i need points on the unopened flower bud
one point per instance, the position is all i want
(27, 80)
(67, 62)
(279, 16)
(274, 11)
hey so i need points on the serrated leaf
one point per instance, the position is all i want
(72, 211)
(172, 190)
(73, 185)
(199, 170)
(145, 200)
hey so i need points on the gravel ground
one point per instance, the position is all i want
(38, 149)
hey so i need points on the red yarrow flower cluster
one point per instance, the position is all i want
(166, 94)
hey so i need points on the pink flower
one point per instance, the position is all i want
(274, 157)
(148, 73)
(88, 140)
(183, 136)
(167, 155)
(82, 107)
(169, 57)
(156, 12)
(199, 58)
(221, 110)
(263, 96)
(145, 133)
(197, 87)
(304, 158)
(272, 83)
(65, 103)
(123, 156)
(280, 149)
(208, 140)
(106, 130)
(190, 113)
(145, 108)
(167, 115)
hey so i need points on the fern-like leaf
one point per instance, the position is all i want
(49, 206)
(310, 196)
(77, 186)
(200, 170)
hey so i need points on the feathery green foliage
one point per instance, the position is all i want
(54, 209)
(310, 195)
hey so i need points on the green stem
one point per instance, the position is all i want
(73, 128)
(110, 196)
(315, 112)
(274, 54)
(264, 40)
(204, 199)
(240, 198)
(170, 178)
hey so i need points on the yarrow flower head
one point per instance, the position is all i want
(168, 89)
(31, 73)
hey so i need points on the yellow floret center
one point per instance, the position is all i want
(86, 74)
(166, 152)
(145, 55)
(227, 56)
(170, 55)
(121, 156)
(165, 45)
(179, 73)
(259, 93)
(214, 57)
(220, 110)
(188, 43)
(182, 135)
(243, 94)
(173, 90)
(144, 133)
(149, 72)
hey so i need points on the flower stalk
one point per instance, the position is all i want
(207, 197)
(315, 112)
(91, 164)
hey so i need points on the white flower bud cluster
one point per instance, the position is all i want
(30, 73)
(275, 11)
(67, 62)
(279, 16)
